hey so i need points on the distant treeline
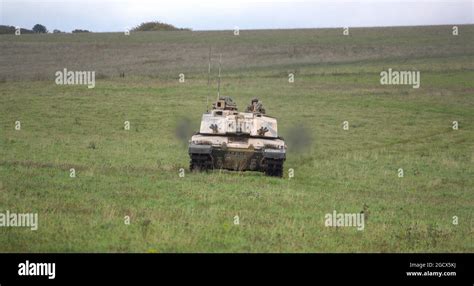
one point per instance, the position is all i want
(143, 27)
(80, 31)
(157, 26)
(11, 30)
(38, 29)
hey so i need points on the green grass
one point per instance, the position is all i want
(135, 173)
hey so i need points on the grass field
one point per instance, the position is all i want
(135, 173)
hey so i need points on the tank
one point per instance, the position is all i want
(238, 141)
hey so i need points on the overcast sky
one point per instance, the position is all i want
(117, 15)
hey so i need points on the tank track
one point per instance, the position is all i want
(203, 162)
(200, 162)
(274, 167)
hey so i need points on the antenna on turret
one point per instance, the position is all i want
(208, 81)
(219, 79)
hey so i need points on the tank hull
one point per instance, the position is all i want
(237, 153)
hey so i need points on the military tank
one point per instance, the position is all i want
(239, 141)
